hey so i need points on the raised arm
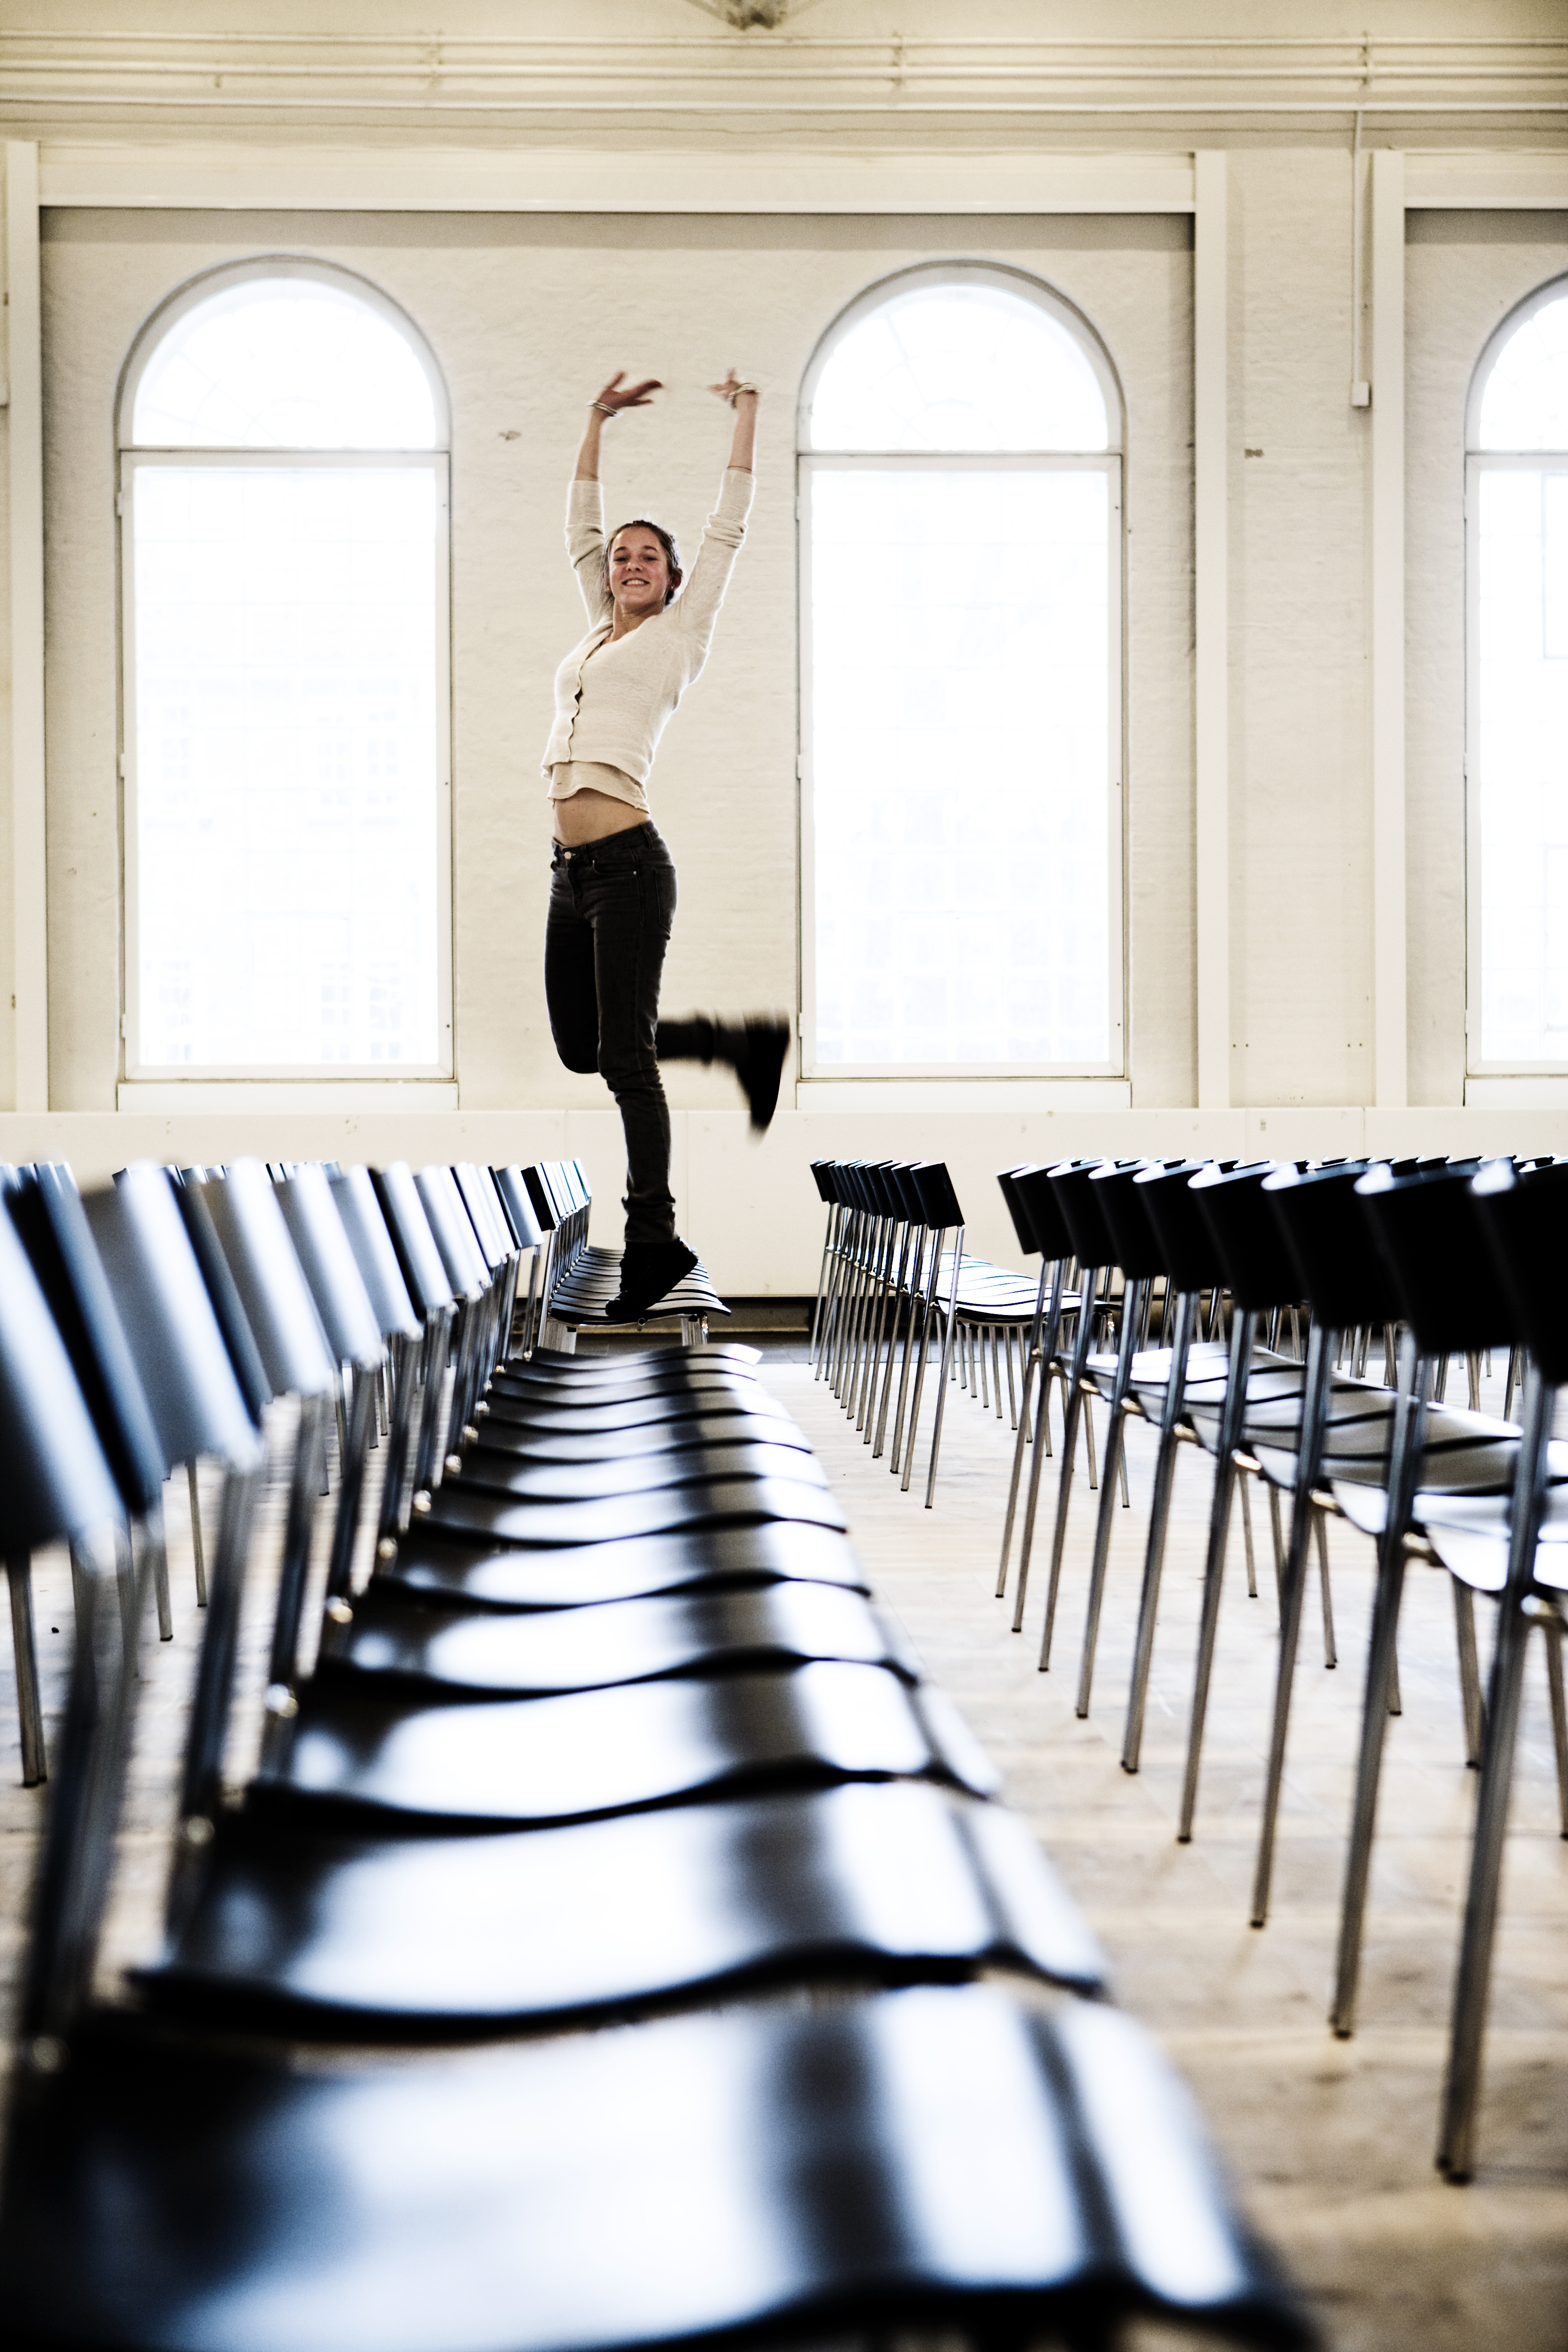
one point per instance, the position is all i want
(743, 399)
(584, 501)
(697, 608)
(617, 395)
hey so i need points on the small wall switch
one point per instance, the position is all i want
(1361, 395)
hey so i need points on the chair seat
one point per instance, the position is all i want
(500, 1442)
(628, 1570)
(689, 1464)
(524, 1394)
(593, 1648)
(938, 2159)
(731, 1402)
(583, 1293)
(549, 1923)
(605, 1752)
(490, 1519)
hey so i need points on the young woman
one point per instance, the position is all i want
(611, 892)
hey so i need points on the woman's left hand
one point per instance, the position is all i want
(731, 387)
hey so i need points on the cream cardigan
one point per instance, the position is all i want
(615, 718)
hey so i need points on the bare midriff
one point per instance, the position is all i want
(588, 815)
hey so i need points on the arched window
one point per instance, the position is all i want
(961, 525)
(1517, 718)
(283, 491)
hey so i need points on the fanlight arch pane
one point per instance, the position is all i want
(958, 366)
(1524, 404)
(286, 362)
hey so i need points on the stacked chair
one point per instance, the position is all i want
(584, 1719)
(580, 1278)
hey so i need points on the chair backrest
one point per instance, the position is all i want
(354, 1196)
(1428, 1228)
(1259, 1271)
(57, 1481)
(822, 1171)
(476, 1188)
(521, 1213)
(1085, 1218)
(276, 1298)
(1036, 1198)
(1122, 1204)
(195, 1213)
(193, 1397)
(467, 1271)
(1008, 1184)
(1523, 1215)
(46, 1210)
(326, 1258)
(933, 1189)
(1342, 1275)
(417, 1255)
(550, 1213)
(1192, 1261)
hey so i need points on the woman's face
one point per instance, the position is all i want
(639, 573)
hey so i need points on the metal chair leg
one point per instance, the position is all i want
(1330, 1654)
(1304, 1518)
(1246, 1539)
(197, 1553)
(1551, 1628)
(942, 1389)
(1158, 1521)
(1243, 1326)
(1115, 1459)
(29, 1707)
(1404, 1459)
(1089, 1282)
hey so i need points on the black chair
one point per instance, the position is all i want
(1521, 1218)
(45, 1209)
(1040, 1225)
(1095, 1252)
(176, 2173)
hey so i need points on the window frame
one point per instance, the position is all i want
(1112, 462)
(132, 457)
(1477, 462)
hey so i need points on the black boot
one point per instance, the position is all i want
(759, 1049)
(650, 1272)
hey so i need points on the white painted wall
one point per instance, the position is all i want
(527, 317)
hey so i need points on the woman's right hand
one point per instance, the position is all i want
(618, 394)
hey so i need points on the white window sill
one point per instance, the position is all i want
(963, 1094)
(273, 1095)
(1539, 1091)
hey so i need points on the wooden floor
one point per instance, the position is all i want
(1330, 2143)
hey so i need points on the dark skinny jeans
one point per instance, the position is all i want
(611, 904)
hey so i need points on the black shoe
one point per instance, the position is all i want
(650, 1272)
(758, 1065)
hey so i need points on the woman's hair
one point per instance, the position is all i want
(665, 540)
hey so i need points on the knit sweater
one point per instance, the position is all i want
(614, 711)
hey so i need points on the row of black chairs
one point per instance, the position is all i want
(1444, 1260)
(896, 1278)
(576, 1713)
(579, 1277)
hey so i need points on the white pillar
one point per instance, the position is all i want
(1388, 957)
(30, 964)
(1211, 595)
